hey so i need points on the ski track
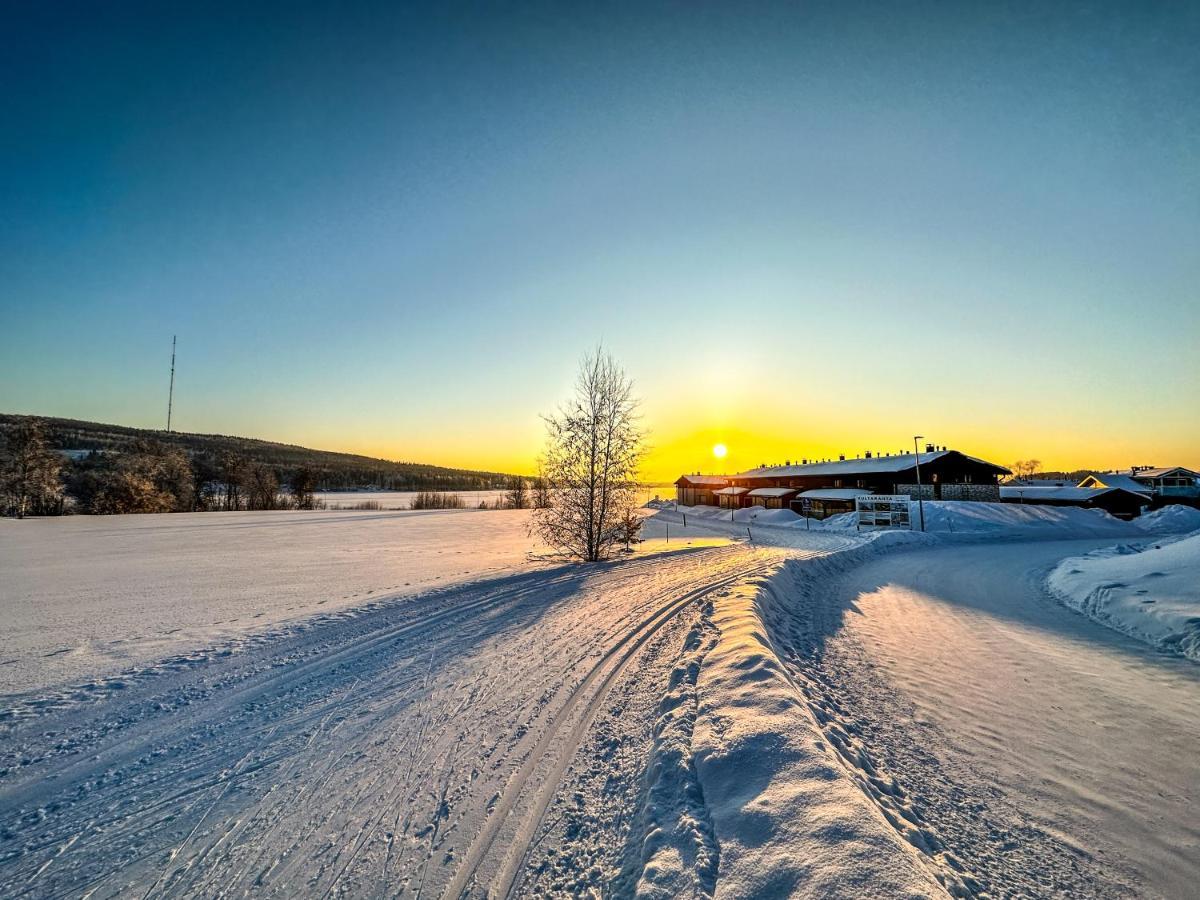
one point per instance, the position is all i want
(412, 750)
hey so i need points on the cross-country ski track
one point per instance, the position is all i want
(412, 750)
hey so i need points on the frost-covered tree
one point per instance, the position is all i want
(151, 478)
(29, 471)
(541, 491)
(593, 447)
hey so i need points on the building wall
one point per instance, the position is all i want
(980, 493)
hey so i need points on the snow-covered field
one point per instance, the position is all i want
(85, 597)
(410, 704)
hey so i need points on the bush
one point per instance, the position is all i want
(437, 500)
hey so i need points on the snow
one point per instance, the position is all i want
(85, 597)
(1172, 519)
(1150, 592)
(1051, 755)
(357, 703)
(949, 520)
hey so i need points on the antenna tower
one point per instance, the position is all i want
(171, 390)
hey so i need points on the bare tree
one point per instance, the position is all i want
(233, 469)
(262, 488)
(593, 447)
(29, 471)
(541, 490)
(1025, 468)
(517, 495)
(303, 484)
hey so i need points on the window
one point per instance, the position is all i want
(837, 482)
(862, 483)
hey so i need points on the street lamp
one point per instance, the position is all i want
(920, 499)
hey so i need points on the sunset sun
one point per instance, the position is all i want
(719, 451)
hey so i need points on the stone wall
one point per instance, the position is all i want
(981, 493)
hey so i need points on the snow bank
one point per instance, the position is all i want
(1173, 519)
(776, 797)
(957, 518)
(1152, 594)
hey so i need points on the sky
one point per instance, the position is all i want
(803, 229)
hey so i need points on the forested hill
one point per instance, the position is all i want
(334, 470)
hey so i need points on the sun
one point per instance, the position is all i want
(719, 451)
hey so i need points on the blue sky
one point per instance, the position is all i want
(808, 226)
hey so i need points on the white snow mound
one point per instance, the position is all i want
(1152, 594)
(1173, 519)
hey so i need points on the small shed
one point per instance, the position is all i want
(821, 503)
(772, 497)
(731, 497)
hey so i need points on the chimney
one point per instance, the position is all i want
(929, 448)
(841, 457)
(868, 454)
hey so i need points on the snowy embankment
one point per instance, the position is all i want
(943, 520)
(791, 817)
(1151, 592)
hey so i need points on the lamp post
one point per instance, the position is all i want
(920, 498)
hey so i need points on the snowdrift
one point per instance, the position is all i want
(944, 519)
(1174, 519)
(1150, 593)
(788, 820)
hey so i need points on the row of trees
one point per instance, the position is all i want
(148, 477)
(584, 497)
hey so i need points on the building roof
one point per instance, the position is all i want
(863, 466)
(1160, 472)
(702, 479)
(1115, 480)
(731, 491)
(772, 492)
(835, 493)
(1068, 494)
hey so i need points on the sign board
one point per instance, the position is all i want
(882, 510)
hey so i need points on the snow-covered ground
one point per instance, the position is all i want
(1048, 754)
(738, 709)
(85, 597)
(1148, 590)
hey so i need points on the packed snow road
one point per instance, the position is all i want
(1025, 748)
(480, 738)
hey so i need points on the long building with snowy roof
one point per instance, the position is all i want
(944, 475)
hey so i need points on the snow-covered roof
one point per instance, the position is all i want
(1114, 481)
(876, 464)
(835, 493)
(1160, 472)
(772, 492)
(731, 491)
(703, 479)
(1059, 493)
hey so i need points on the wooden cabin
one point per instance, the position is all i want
(698, 490)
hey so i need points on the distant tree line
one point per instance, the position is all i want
(149, 475)
(331, 471)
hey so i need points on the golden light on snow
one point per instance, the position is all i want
(719, 451)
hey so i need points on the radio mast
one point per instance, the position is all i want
(171, 390)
